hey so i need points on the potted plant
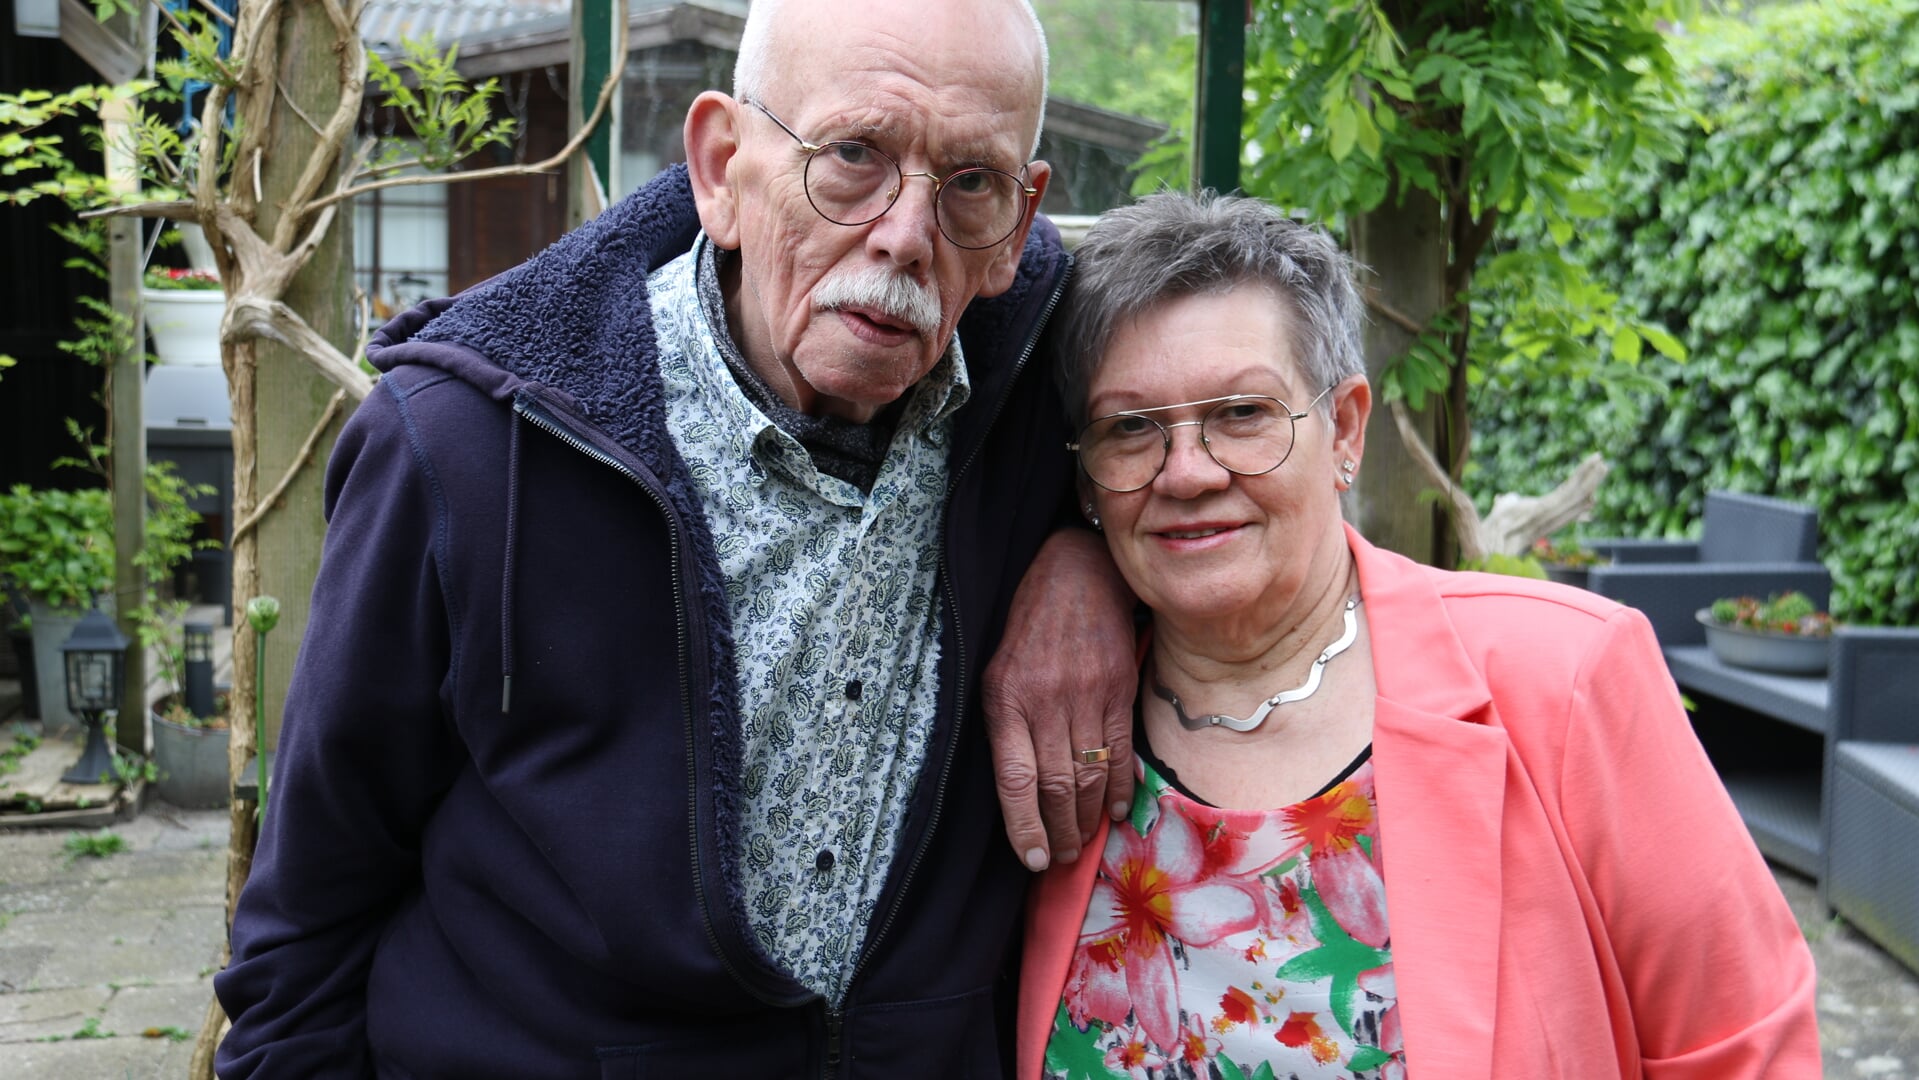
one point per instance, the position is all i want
(183, 314)
(56, 550)
(190, 721)
(1785, 633)
(1566, 560)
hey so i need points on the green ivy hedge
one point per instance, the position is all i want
(1784, 251)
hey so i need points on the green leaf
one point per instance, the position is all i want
(1667, 345)
(1625, 346)
(1367, 1057)
(1367, 135)
(1076, 1053)
(1342, 130)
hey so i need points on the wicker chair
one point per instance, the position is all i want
(1750, 545)
(1871, 818)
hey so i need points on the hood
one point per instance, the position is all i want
(573, 319)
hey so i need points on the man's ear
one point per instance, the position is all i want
(999, 277)
(712, 142)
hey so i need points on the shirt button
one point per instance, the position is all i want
(854, 689)
(824, 861)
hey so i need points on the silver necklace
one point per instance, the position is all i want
(1284, 697)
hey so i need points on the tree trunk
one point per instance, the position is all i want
(277, 398)
(1404, 248)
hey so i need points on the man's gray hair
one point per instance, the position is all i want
(1172, 245)
(756, 50)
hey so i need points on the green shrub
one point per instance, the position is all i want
(57, 546)
(1784, 251)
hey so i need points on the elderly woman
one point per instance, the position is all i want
(1391, 819)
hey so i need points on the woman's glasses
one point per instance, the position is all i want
(1247, 434)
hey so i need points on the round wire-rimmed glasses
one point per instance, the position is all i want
(1247, 434)
(851, 183)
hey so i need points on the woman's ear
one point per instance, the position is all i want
(1352, 406)
(712, 143)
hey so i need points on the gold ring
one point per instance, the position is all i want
(1094, 756)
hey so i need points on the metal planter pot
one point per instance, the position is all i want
(1780, 654)
(192, 763)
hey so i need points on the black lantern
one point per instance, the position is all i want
(95, 655)
(198, 668)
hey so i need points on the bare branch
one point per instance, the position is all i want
(1518, 520)
(287, 97)
(266, 504)
(1464, 514)
(257, 317)
(578, 140)
(258, 40)
(333, 138)
(169, 211)
(1392, 314)
(214, 10)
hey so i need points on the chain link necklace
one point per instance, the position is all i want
(1284, 697)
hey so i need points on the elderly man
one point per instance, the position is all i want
(639, 729)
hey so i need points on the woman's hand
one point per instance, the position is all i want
(1063, 681)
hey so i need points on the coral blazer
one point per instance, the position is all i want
(1570, 889)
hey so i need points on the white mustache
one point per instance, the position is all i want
(885, 292)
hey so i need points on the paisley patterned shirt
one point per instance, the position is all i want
(1242, 944)
(836, 621)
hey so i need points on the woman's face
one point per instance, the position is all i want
(1200, 543)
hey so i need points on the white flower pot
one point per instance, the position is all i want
(185, 324)
(199, 252)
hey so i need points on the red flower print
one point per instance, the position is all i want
(1342, 871)
(1195, 1046)
(1302, 1030)
(1236, 1006)
(1151, 888)
(1135, 1057)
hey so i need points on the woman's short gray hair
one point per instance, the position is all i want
(1172, 245)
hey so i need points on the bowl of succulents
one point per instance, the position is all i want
(1784, 634)
(1566, 560)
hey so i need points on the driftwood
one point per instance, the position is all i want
(1516, 520)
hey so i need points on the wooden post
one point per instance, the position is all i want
(593, 177)
(127, 427)
(1404, 245)
(1219, 105)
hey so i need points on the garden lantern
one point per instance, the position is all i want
(198, 681)
(95, 655)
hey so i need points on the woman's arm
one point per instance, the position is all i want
(1717, 971)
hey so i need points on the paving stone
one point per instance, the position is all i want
(91, 1059)
(20, 966)
(160, 892)
(30, 1016)
(137, 1009)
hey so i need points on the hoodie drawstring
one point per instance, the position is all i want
(506, 584)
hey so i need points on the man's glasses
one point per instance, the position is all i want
(851, 183)
(1247, 434)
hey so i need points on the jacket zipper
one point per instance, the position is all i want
(539, 418)
(959, 692)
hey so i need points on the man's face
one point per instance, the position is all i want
(939, 88)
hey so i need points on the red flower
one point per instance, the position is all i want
(1149, 888)
(1302, 1029)
(1236, 1006)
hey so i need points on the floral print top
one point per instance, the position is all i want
(1241, 944)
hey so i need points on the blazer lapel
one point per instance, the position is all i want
(1440, 778)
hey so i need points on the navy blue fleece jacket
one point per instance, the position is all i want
(502, 839)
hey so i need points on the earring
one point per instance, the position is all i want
(1092, 515)
(1346, 472)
